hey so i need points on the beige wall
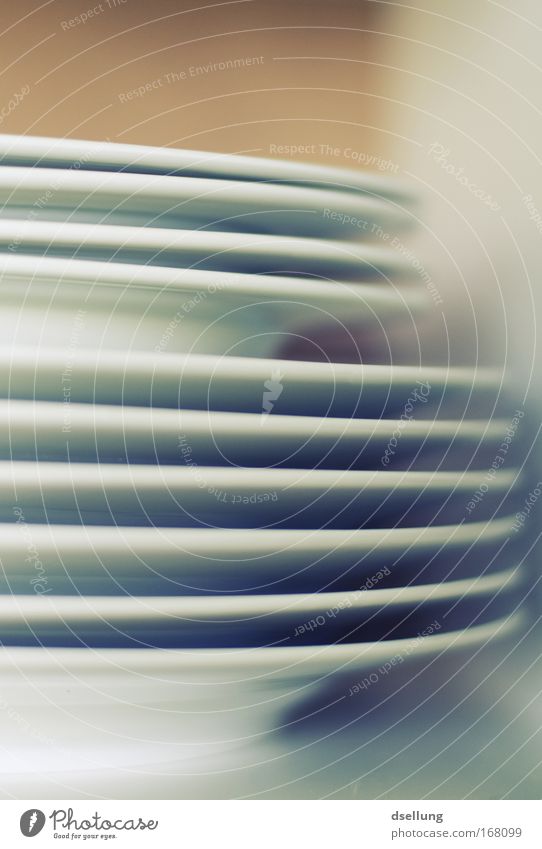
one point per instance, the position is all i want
(79, 75)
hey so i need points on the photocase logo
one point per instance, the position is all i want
(66, 825)
(273, 390)
(32, 822)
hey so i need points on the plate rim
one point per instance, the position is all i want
(240, 610)
(275, 660)
(166, 159)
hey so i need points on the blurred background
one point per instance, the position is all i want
(445, 94)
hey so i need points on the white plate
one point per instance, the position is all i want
(89, 432)
(150, 668)
(204, 249)
(78, 154)
(44, 194)
(85, 709)
(46, 300)
(169, 561)
(226, 497)
(241, 383)
(251, 620)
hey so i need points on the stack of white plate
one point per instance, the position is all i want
(196, 534)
